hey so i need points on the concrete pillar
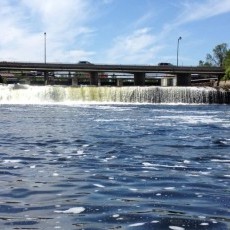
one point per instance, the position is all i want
(46, 78)
(94, 78)
(175, 81)
(183, 79)
(119, 82)
(99, 82)
(164, 82)
(75, 80)
(139, 79)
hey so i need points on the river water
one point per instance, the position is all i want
(114, 166)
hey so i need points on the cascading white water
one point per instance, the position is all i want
(26, 94)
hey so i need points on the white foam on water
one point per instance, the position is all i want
(204, 224)
(136, 225)
(204, 173)
(202, 217)
(192, 175)
(111, 158)
(155, 221)
(8, 161)
(147, 164)
(116, 215)
(214, 221)
(55, 174)
(170, 188)
(75, 210)
(80, 152)
(133, 189)
(221, 161)
(176, 228)
(99, 185)
(32, 166)
(186, 161)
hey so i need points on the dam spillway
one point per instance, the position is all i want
(27, 94)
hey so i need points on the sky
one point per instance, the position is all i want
(112, 31)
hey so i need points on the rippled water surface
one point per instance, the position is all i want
(115, 167)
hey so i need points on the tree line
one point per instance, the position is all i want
(220, 57)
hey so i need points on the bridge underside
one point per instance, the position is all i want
(183, 79)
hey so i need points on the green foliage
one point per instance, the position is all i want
(218, 56)
(219, 53)
(227, 66)
(227, 74)
(205, 64)
(227, 60)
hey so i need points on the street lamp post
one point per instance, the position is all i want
(178, 41)
(45, 47)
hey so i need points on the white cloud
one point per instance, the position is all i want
(23, 25)
(136, 47)
(193, 11)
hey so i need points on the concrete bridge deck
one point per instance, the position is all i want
(183, 73)
(110, 68)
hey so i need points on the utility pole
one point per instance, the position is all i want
(45, 47)
(178, 41)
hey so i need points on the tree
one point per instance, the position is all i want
(227, 74)
(227, 66)
(218, 56)
(227, 60)
(202, 63)
(220, 52)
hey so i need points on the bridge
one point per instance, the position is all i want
(182, 73)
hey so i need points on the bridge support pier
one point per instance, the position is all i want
(168, 81)
(183, 79)
(75, 80)
(46, 78)
(99, 82)
(94, 78)
(139, 79)
(119, 82)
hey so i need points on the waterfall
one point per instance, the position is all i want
(27, 94)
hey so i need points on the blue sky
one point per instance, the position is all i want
(112, 31)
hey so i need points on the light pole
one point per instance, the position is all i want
(178, 41)
(45, 47)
